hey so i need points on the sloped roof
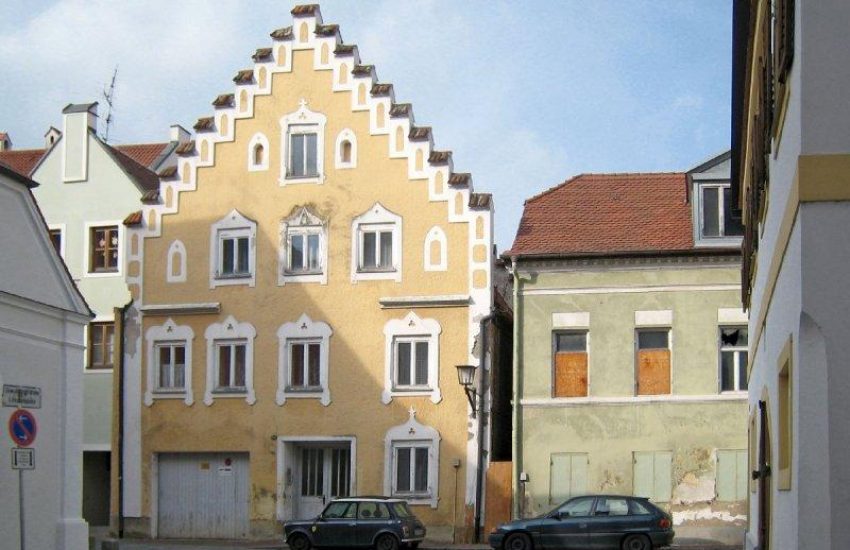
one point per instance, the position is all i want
(144, 178)
(143, 153)
(21, 161)
(602, 214)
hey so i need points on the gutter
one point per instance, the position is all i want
(515, 413)
(479, 473)
(120, 413)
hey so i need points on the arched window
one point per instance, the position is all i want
(380, 115)
(420, 161)
(281, 56)
(435, 250)
(361, 94)
(243, 104)
(346, 149)
(258, 158)
(302, 33)
(176, 263)
(399, 139)
(205, 151)
(186, 172)
(343, 74)
(261, 79)
(439, 187)
(222, 131)
(323, 56)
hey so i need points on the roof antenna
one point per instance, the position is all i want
(109, 97)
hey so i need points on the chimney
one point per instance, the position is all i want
(179, 134)
(77, 122)
(5, 141)
(51, 136)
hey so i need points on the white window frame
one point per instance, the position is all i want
(436, 234)
(303, 330)
(233, 225)
(302, 121)
(173, 334)
(302, 222)
(700, 238)
(345, 135)
(413, 434)
(119, 272)
(413, 446)
(258, 139)
(377, 218)
(737, 351)
(406, 329)
(60, 227)
(229, 332)
(177, 248)
(412, 340)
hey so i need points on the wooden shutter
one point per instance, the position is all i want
(643, 480)
(570, 374)
(653, 372)
(567, 476)
(662, 476)
(783, 39)
(731, 478)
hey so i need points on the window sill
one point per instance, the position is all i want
(103, 274)
(305, 273)
(544, 402)
(311, 390)
(236, 392)
(99, 370)
(297, 180)
(166, 392)
(407, 390)
(230, 276)
(376, 270)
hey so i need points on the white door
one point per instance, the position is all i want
(203, 495)
(324, 474)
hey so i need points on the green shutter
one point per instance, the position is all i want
(567, 476)
(653, 475)
(578, 471)
(743, 471)
(731, 480)
(642, 484)
(663, 480)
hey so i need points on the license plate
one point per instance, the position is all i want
(419, 532)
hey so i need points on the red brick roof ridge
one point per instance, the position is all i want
(597, 174)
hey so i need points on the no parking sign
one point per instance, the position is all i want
(22, 427)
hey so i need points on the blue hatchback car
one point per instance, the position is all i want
(593, 521)
(380, 522)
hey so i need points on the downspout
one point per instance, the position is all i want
(516, 459)
(479, 473)
(119, 443)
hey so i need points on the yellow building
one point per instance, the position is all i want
(304, 284)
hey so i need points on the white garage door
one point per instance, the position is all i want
(203, 495)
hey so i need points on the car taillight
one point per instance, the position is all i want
(664, 523)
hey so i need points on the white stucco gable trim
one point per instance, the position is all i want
(305, 329)
(412, 326)
(413, 432)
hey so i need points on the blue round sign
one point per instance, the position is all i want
(22, 427)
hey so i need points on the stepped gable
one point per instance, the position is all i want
(224, 100)
(439, 157)
(284, 33)
(594, 214)
(419, 133)
(344, 49)
(150, 197)
(204, 124)
(363, 70)
(185, 148)
(400, 110)
(134, 219)
(460, 179)
(245, 76)
(381, 89)
(305, 9)
(480, 200)
(326, 30)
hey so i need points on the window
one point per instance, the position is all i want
(169, 363)
(176, 263)
(346, 150)
(732, 475)
(567, 476)
(230, 366)
(786, 418)
(170, 360)
(377, 245)
(577, 508)
(230, 361)
(611, 506)
(337, 510)
(411, 363)
(733, 359)
(436, 245)
(412, 352)
(653, 475)
(412, 460)
(303, 147)
(303, 249)
(411, 469)
(303, 360)
(56, 240)
(653, 362)
(104, 249)
(373, 510)
(258, 158)
(716, 219)
(570, 364)
(101, 345)
(232, 250)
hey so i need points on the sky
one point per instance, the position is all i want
(525, 93)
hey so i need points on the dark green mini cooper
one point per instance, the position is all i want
(381, 522)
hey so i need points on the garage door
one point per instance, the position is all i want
(203, 495)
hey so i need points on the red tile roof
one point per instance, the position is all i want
(21, 161)
(599, 214)
(143, 153)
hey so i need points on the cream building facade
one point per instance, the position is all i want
(303, 287)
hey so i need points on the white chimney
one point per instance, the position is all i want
(77, 122)
(179, 134)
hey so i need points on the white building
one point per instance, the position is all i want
(42, 319)
(791, 171)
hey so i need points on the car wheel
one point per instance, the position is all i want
(518, 541)
(636, 542)
(297, 541)
(386, 542)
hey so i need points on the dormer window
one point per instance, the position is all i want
(715, 212)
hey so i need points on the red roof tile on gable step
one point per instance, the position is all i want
(599, 214)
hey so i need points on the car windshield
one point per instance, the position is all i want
(337, 510)
(401, 510)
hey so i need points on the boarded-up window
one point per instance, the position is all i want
(731, 480)
(570, 364)
(653, 475)
(567, 476)
(653, 362)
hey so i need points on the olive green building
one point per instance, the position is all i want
(631, 347)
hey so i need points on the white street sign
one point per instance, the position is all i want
(23, 459)
(28, 397)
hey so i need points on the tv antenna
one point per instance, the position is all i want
(109, 97)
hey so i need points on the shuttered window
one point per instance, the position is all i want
(567, 476)
(731, 480)
(570, 364)
(653, 362)
(653, 475)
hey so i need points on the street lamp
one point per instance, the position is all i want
(466, 377)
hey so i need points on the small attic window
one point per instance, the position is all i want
(259, 154)
(345, 151)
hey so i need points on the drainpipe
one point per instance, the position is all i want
(515, 412)
(120, 439)
(479, 474)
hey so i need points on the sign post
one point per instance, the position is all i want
(22, 430)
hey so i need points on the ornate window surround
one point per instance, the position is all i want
(303, 329)
(230, 330)
(168, 332)
(377, 217)
(302, 220)
(233, 223)
(413, 432)
(302, 117)
(412, 325)
(345, 135)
